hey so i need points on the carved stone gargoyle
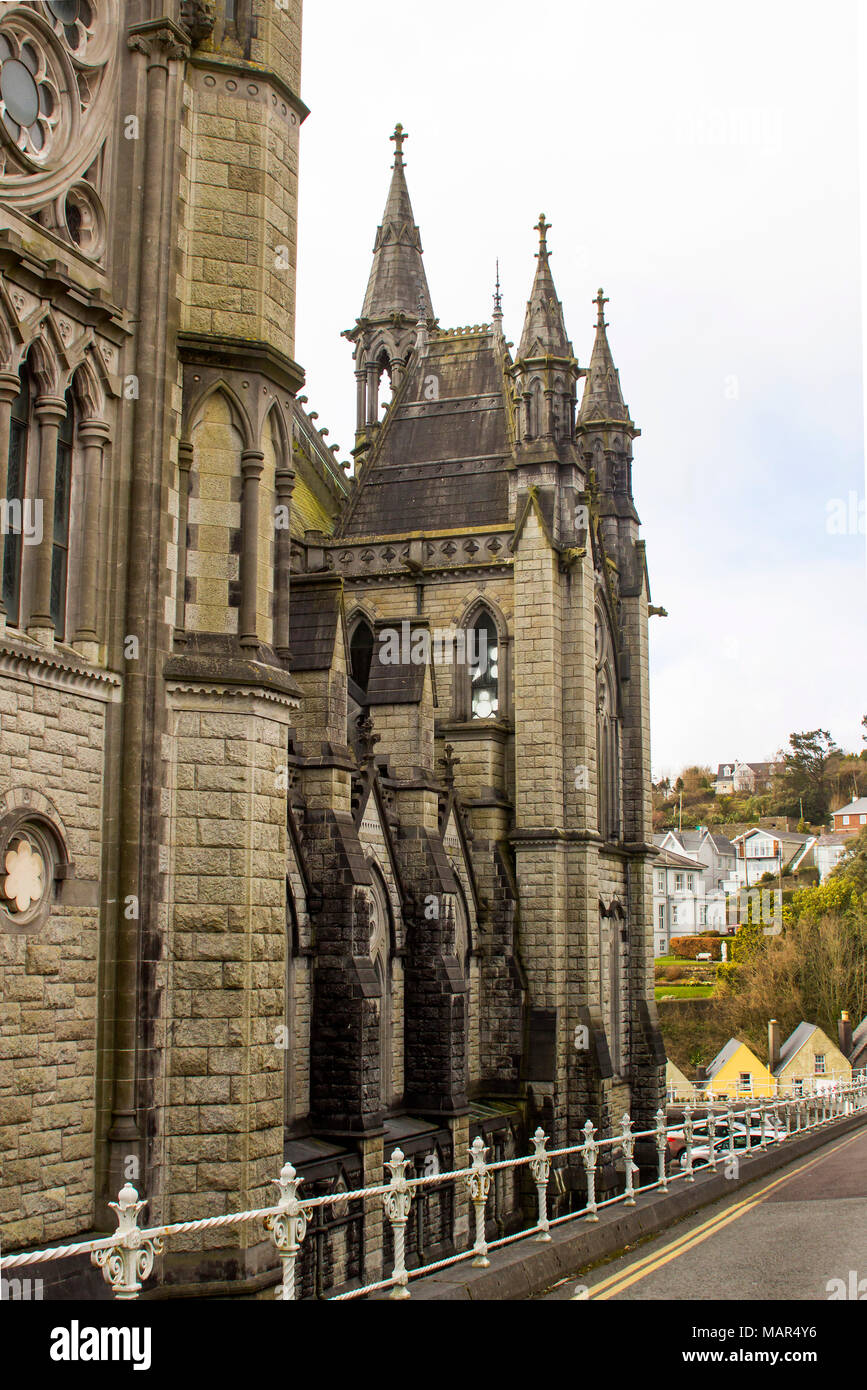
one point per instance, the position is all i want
(198, 18)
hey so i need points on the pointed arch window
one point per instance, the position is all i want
(607, 736)
(19, 429)
(361, 653)
(62, 499)
(483, 657)
(380, 955)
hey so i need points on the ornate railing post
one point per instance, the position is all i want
(125, 1264)
(661, 1144)
(711, 1137)
(479, 1184)
(730, 1118)
(288, 1227)
(540, 1167)
(687, 1134)
(762, 1113)
(397, 1202)
(589, 1155)
(628, 1144)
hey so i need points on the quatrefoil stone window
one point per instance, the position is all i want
(25, 879)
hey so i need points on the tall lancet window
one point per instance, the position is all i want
(361, 653)
(483, 657)
(380, 955)
(607, 735)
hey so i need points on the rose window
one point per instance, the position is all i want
(29, 100)
(24, 883)
(73, 19)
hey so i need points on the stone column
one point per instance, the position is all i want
(549, 412)
(50, 410)
(252, 463)
(360, 394)
(10, 386)
(396, 374)
(92, 435)
(185, 463)
(372, 393)
(284, 481)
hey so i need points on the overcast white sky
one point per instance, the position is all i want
(702, 164)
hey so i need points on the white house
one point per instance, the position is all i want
(717, 858)
(679, 902)
(743, 777)
(762, 851)
(828, 851)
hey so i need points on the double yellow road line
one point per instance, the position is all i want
(616, 1283)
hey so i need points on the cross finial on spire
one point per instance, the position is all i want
(542, 227)
(398, 137)
(498, 298)
(600, 301)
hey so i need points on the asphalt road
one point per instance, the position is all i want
(784, 1237)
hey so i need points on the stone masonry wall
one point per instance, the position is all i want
(52, 755)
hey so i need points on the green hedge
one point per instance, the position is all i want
(691, 947)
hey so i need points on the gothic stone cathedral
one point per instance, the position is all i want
(324, 799)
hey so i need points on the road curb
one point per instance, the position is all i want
(528, 1267)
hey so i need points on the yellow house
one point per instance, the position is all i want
(677, 1085)
(736, 1071)
(809, 1062)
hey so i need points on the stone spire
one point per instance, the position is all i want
(498, 306)
(544, 332)
(397, 276)
(603, 399)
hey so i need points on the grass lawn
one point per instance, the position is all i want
(678, 991)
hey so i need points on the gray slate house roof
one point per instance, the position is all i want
(857, 808)
(793, 1044)
(723, 1056)
(858, 1055)
(669, 859)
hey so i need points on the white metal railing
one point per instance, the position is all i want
(126, 1257)
(811, 1085)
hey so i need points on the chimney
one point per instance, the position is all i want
(844, 1033)
(773, 1044)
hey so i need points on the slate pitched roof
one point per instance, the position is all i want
(793, 1044)
(723, 1056)
(858, 1055)
(440, 462)
(314, 615)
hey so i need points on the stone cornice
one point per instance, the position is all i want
(219, 674)
(53, 281)
(243, 355)
(60, 669)
(218, 63)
